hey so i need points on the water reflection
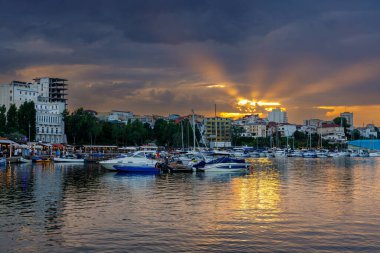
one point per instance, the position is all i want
(283, 204)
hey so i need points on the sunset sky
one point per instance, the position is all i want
(314, 58)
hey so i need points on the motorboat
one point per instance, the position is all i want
(338, 154)
(295, 153)
(24, 160)
(374, 154)
(139, 157)
(322, 153)
(39, 159)
(145, 168)
(309, 154)
(280, 153)
(222, 164)
(68, 159)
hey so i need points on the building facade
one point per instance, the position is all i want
(50, 127)
(217, 131)
(49, 97)
(278, 115)
(256, 130)
(349, 116)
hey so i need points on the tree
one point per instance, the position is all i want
(27, 119)
(3, 119)
(12, 119)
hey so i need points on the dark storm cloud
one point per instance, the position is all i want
(289, 51)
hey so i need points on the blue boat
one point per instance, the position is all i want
(138, 168)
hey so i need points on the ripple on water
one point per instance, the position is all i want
(289, 205)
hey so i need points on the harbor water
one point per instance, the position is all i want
(283, 205)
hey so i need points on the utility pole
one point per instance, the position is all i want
(29, 132)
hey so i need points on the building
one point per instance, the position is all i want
(17, 93)
(120, 116)
(286, 130)
(52, 88)
(49, 97)
(368, 132)
(255, 130)
(278, 115)
(50, 126)
(349, 116)
(217, 131)
(332, 132)
(313, 122)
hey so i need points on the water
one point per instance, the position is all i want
(293, 205)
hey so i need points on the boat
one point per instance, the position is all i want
(68, 159)
(374, 154)
(39, 159)
(322, 153)
(138, 168)
(174, 167)
(309, 154)
(223, 164)
(138, 157)
(338, 154)
(280, 153)
(24, 160)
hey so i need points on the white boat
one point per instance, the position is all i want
(374, 154)
(68, 160)
(309, 154)
(338, 154)
(280, 153)
(138, 157)
(24, 160)
(322, 153)
(223, 164)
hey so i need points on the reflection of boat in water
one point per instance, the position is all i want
(3, 161)
(220, 176)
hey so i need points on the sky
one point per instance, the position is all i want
(314, 58)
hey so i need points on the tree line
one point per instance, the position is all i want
(82, 127)
(18, 123)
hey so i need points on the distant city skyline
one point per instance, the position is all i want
(317, 59)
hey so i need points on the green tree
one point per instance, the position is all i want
(27, 119)
(3, 119)
(12, 119)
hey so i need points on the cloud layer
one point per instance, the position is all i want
(170, 56)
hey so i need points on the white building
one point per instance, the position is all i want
(277, 115)
(17, 93)
(332, 132)
(286, 130)
(48, 95)
(50, 126)
(120, 116)
(255, 130)
(368, 132)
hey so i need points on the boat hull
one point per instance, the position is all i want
(67, 160)
(137, 168)
(225, 167)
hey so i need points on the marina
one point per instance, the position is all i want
(288, 205)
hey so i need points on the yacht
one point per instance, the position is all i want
(222, 164)
(138, 157)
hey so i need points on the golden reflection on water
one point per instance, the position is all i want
(258, 194)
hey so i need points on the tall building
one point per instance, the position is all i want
(349, 116)
(218, 131)
(52, 88)
(277, 115)
(48, 95)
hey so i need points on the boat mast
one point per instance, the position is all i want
(183, 148)
(193, 130)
